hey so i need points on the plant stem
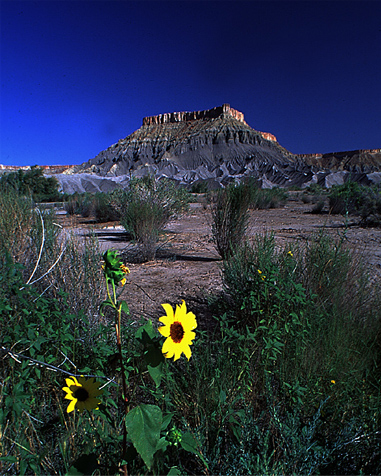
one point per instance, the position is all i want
(119, 346)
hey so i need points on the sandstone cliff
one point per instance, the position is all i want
(216, 144)
(357, 161)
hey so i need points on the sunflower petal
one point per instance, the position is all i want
(164, 330)
(71, 406)
(189, 321)
(71, 381)
(167, 348)
(169, 311)
(187, 352)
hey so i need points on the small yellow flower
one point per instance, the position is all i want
(124, 269)
(290, 253)
(123, 282)
(83, 393)
(333, 381)
(263, 277)
(178, 329)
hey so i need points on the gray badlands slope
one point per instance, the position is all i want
(216, 145)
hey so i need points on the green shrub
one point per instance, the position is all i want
(15, 218)
(146, 207)
(370, 207)
(268, 198)
(103, 209)
(201, 186)
(230, 214)
(98, 205)
(360, 200)
(31, 182)
(345, 198)
(80, 204)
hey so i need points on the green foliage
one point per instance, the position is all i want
(98, 205)
(314, 316)
(103, 208)
(146, 207)
(345, 198)
(268, 198)
(370, 207)
(286, 381)
(31, 183)
(201, 186)
(230, 217)
(143, 425)
(15, 218)
(80, 204)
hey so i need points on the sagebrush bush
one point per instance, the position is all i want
(103, 208)
(146, 207)
(370, 206)
(80, 204)
(16, 214)
(268, 198)
(230, 215)
(345, 198)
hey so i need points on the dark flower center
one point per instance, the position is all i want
(81, 394)
(176, 332)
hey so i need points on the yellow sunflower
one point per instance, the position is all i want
(178, 329)
(82, 393)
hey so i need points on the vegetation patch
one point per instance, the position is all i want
(286, 381)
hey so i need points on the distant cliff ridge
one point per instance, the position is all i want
(221, 111)
(215, 145)
(357, 161)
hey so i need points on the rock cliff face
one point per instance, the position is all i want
(215, 145)
(357, 161)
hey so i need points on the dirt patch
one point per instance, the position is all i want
(187, 264)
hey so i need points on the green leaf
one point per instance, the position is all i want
(154, 359)
(190, 444)
(85, 464)
(145, 334)
(162, 444)
(124, 307)
(174, 471)
(104, 304)
(143, 424)
(166, 421)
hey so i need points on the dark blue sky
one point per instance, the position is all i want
(77, 76)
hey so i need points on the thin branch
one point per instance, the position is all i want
(50, 269)
(41, 247)
(49, 366)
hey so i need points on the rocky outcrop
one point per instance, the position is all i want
(215, 145)
(356, 161)
(222, 111)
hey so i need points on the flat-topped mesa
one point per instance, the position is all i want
(221, 111)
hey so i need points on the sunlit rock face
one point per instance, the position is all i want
(355, 161)
(215, 145)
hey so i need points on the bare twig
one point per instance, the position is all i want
(41, 247)
(49, 366)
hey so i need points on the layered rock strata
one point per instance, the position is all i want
(215, 145)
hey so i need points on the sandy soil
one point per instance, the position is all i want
(187, 264)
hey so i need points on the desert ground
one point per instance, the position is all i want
(187, 265)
